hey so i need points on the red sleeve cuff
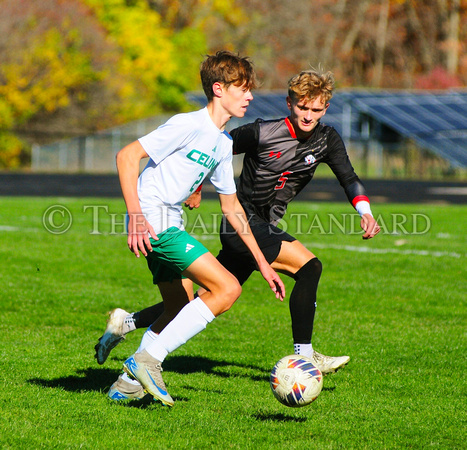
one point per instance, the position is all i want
(360, 198)
(198, 189)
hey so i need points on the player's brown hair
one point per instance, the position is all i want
(310, 84)
(227, 68)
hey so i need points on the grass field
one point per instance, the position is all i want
(395, 304)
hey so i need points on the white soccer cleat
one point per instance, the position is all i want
(148, 371)
(121, 390)
(329, 364)
(112, 336)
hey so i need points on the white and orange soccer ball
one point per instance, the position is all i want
(295, 381)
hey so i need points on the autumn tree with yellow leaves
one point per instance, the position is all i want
(70, 67)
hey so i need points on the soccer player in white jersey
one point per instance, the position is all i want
(183, 152)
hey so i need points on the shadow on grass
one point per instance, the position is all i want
(197, 364)
(91, 379)
(278, 418)
(225, 369)
(99, 378)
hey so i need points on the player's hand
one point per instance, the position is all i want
(194, 200)
(139, 230)
(273, 279)
(369, 226)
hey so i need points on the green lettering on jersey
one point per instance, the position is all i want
(193, 155)
(202, 159)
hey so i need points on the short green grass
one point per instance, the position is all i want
(395, 304)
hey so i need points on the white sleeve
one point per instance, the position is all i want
(168, 137)
(223, 176)
(363, 207)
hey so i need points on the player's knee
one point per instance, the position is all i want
(230, 293)
(317, 266)
(313, 268)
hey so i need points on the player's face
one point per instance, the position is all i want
(306, 114)
(236, 100)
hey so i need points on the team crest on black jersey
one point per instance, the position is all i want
(309, 159)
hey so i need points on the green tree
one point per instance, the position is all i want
(160, 62)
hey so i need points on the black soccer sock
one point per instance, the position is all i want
(303, 301)
(148, 316)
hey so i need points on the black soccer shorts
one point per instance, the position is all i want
(236, 257)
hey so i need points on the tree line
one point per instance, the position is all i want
(72, 67)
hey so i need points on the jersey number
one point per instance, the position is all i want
(200, 178)
(281, 181)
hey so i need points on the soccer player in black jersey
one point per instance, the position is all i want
(280, 158)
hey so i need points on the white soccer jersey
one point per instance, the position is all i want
(183, 151)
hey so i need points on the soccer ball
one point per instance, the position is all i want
(295, 381)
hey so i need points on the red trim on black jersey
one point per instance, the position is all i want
(290, 127)
(360, 198)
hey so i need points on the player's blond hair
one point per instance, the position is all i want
(311, 84)
(227, 68)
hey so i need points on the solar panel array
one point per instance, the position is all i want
(437, 121)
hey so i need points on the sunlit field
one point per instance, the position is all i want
(395, 304)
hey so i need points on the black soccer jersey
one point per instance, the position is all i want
(277, 165)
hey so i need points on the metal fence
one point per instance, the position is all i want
(93, 153)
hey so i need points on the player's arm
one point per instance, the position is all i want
(235, 214)
(361, 203)
(339, 162)
(128, 160)
(246, 138)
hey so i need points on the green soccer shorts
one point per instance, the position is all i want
(172, 253)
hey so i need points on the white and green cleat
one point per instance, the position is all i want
(148, 371)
